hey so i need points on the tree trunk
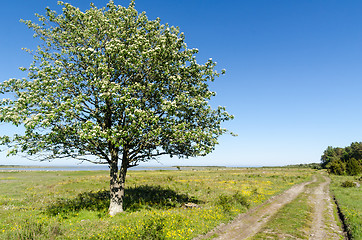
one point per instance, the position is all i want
(117, 185)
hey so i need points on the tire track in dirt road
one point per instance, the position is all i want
(323, 224)
(249, 223)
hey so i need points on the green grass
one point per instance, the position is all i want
(73, 205)
(350, 202)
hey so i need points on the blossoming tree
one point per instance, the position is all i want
(109, 86)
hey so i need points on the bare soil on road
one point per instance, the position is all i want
(323, 223)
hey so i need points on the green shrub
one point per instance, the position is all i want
(227, 201)
(347, 183)
(224, 202)
(337, 167)
(353, 167)
(241, 199)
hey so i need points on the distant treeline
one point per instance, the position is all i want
(306, 165)
(343, 161)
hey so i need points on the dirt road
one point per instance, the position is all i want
(323, 225)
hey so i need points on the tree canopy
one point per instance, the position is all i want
(343, 161)
(110, 85)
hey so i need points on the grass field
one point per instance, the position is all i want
(73, 205)
(350, 202)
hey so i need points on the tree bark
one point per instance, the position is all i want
(117, 185)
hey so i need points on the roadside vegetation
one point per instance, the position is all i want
(348, 196)
(345, 168)
(159, 204)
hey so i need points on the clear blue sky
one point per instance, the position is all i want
(294, 71)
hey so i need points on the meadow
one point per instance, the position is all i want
(349, 201)
(73, 204)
